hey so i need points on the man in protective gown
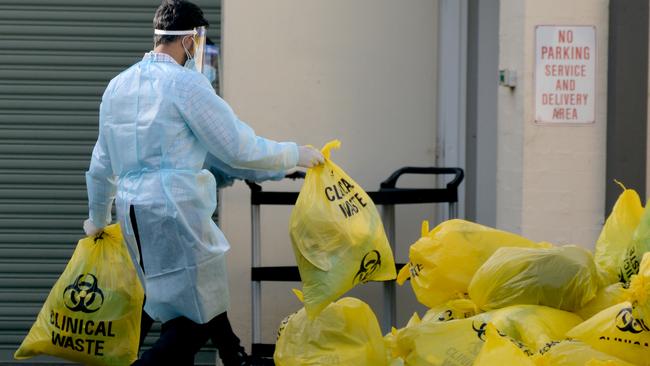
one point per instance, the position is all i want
(159, 120)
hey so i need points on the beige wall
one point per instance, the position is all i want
(310, 71)
(550, 179)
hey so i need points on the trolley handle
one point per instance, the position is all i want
(457, 172)
(298, 174)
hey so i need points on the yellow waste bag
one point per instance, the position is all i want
(456, 309)
(454, 342)
(617, 332)
(607, 363)
(561, 277)
(534, 326)
(623, 330)
(458, 342)
(453, 309)
(344, 333)
(337, 235)
(92, 314)
(617, 253)
(638, 292)
(443, 261)
(390, 339)
(575, 353)
(605, 298)
(500, 349)
(632, 262)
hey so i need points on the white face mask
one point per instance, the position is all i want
(208, 71)
(190, 64)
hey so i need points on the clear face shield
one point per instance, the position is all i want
(195, 59)
(211, 64)
(199, 48)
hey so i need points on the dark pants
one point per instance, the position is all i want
(180, 338)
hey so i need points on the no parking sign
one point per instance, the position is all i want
(565, 69)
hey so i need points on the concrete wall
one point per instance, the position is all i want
(310, 71)
(550, 178)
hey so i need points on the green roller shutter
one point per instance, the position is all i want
(56, 58)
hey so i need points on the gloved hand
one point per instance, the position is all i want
(90, 229)
(308, 157)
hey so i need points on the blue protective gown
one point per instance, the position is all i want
(158, 122)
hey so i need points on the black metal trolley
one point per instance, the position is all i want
(387, 197)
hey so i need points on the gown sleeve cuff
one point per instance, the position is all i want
(292, 156)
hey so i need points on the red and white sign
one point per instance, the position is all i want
(565, 70)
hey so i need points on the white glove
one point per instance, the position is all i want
(90, 229)
(308, 157)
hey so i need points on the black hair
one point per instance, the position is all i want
(176, 15)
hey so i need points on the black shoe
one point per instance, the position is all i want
(238, 359)
(260, 361)
(245, 360)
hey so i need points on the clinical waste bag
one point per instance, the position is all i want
(337, 235)
(345, 333)
(534, 326)
(92, 314)
(561, 277)
(499, 349)
(641, 244)
(443, 313)
(622, 242)
(443, 261)
(433, 343)
(459, 341)
(606, 297)
(454, 309)
(575, 353)
(390, 339)
(623, 330)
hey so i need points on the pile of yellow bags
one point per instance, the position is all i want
(530, 304)
(500, 349)
(459, 341)
(494, 298)
(443, 261)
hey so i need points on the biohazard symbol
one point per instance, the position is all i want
(98, 237)
(626, 322)
(446, 316)
(84, 295)
(480, 330)
(370, 263)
